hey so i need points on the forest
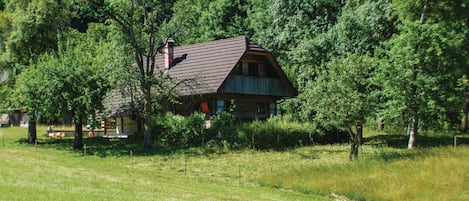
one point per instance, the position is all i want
(355, 63)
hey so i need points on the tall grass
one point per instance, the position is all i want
(385, 174)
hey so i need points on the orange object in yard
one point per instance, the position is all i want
(204, 106)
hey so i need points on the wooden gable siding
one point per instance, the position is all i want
(240, 84)
(269, 80)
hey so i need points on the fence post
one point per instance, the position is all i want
(239, 174)
(278, 141)
(252, 141)
(132, 158)
(455, 141)
(185, 166)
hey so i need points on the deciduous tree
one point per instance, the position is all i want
(29, 28)
(342, 96)
(426, 59)
(71, 81)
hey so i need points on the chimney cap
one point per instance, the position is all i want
(169, 40)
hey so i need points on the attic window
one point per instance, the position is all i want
(253, 69)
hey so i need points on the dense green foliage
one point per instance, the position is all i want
(71, 82)
(352, 61)
(276, 133)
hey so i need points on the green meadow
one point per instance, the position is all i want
(118, 169)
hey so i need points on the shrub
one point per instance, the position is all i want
(225, 130)
(275, 133)
(176, 131)
(278, 132)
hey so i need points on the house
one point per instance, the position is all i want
(234, 70)
(223, 72)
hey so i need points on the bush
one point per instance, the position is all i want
(225, 131)
(176, 131)
(278, 132)
(275, 133)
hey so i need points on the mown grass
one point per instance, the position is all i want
(51, 170)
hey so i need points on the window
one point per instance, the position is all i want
(272, 109)
(220, 105)
(226, 105)
(253, 69)
(260, 108)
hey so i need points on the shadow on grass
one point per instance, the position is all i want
(114, 147)
(399, 145)
(422, 141)
(102, 147)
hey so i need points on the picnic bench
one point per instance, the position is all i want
(87, 133)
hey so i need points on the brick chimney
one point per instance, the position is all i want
(168, 53)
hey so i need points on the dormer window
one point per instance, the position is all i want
(253, 69)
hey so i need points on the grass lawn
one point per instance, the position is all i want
(385, 171)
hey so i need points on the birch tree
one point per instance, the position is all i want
(425, 63)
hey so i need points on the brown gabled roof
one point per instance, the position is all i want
(209, 64)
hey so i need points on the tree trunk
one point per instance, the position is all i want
(415, 118)
(140, 129)
(415, 126)
(465, 111)
(415, 110)
(78, 143)
(148, 139)
(357, 141)
(32, 132)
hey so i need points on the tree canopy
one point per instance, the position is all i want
(72, 81)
